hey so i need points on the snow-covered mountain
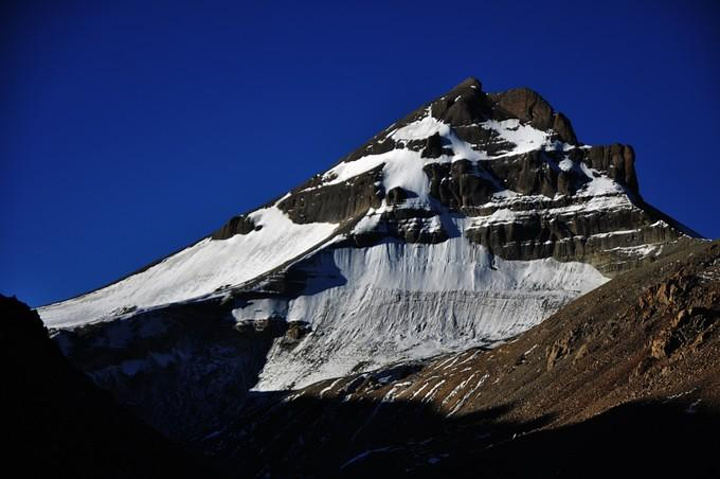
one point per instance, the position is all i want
(464, 224)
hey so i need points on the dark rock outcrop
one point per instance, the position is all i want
(434, 147)
(376, 146)
(463, 105)
(396, 196)
(617, 161)
(413, 226)
(529, 174)
(460, 185)
(238, 225)
(526, 105)
(337, 202)
(564, 129)
(529, 107)
(611, 242)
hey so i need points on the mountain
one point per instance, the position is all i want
(622, 382)
(462, 225)
(57, 423)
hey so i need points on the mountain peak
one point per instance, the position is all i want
(463, 224)
(467, 104)
(470, 82)
(507, 162)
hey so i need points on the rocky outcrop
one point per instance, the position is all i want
(397, 195)
(612, 242)
(564, 129)
(466, 187)
(238, 225)
(536, 173)
(528, 106)
(414, 225)
(463, 105)
(617, 161)
(335, 203)
(435, 147)
(460, 185)
(482, 138)
(564, 225)
(376, 146)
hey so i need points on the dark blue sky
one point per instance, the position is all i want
(128, 131)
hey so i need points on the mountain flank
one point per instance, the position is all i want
(57, 423)
(461, 226)
(623, 380)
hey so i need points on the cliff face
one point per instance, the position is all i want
(462, 225)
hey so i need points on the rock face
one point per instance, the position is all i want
(462, 225)
(617, 161)
(238, 225)
(612, 243)
(528, 106)
(620, 373)
(335, 203)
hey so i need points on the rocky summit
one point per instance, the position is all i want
(460, 226)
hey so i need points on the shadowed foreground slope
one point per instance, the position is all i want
(58, 424)
(625, 380)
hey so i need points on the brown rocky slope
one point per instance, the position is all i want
(624, 380)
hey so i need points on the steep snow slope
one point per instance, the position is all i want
(372, 306)
(200, 270)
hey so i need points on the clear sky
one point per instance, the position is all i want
(130, 129)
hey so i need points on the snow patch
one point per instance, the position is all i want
(421, 129)
(525, 137)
